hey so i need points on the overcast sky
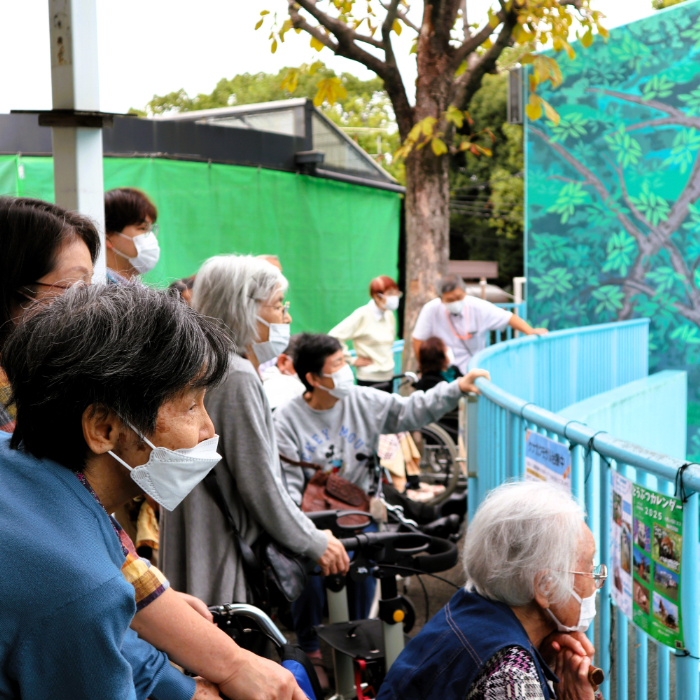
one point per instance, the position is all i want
(149, 47)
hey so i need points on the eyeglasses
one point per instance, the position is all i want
(599, 574)
(150, 228)
(59, 286)
(388, 294)
(284, 308)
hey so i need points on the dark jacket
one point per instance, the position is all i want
(446, 657)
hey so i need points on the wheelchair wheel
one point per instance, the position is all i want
(438, 462)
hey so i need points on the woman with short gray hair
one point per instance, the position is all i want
(529, 596)
(199, 552)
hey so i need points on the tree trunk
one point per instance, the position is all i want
(427, 236)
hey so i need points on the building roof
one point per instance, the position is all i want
(300, 118)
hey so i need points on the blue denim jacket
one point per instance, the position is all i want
(445, 658)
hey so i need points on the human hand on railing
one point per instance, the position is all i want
(362, 361)
(572, 671)
(335, 559)
(466, 383)
(537, 331)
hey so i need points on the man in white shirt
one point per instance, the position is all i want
(462, 321)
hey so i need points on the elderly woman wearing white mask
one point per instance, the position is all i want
(530, 595)
(199, 551)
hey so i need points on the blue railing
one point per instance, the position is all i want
(530, 379)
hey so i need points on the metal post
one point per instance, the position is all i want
(77, 151)
(472, 455)
(518, 286)
(687, 679)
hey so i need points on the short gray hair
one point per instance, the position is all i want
(522, 530)
(449, 283)
(231, 288)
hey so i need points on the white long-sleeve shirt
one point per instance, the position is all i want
(372, 332)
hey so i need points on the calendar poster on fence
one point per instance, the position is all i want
(647, 537)
(547, 460)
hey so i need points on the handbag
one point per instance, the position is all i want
(329, 491)
(266, 562)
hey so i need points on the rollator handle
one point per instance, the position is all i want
(333, 520)
(400, 548)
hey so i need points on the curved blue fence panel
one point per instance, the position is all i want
(533, 377)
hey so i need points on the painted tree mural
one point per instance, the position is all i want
(613, 217)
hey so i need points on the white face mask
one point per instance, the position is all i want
(147, 252)
(169, 475)
(455, 307)
(391, 303)
(585, 616)
(276, 343)
(343, 382)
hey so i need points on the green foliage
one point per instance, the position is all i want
(634, 53)
(570, 196)
(621, 249)
(657, 88)
(692, 101)
(609, 298)
(654, 207)
(626, 149)
(555, 281)
(579, 252)
(572, 126)
(487, 193)
(685, 147)
(365, 104)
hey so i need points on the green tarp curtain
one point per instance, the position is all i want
(331, 237)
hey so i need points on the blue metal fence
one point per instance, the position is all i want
(530, 379)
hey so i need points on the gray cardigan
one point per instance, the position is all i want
(198, 553)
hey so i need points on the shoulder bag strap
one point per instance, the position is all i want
(300, 463)
(249, 559)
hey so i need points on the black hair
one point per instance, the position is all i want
(127, 206)
(310, 353)
(127, 349)
(31, 234)
(432, 355)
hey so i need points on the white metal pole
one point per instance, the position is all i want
(518, 285)
(77, 151)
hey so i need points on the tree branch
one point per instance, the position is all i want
(469, 82)
(402, 16)
(598, 186)
(653, 104)
(388, 23)
(625, 195)
(298, 22)
(344, 34)
(690, 122)
(471, 44)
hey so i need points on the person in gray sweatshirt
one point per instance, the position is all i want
(337, 425)
(199, 553)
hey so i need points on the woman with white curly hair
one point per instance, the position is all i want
(529, 596)
(199, 554)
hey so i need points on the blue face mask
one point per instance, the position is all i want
(275, 345)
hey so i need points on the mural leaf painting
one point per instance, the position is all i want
(613, 217)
